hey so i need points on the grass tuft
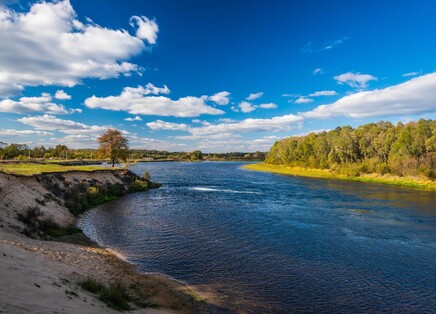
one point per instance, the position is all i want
(115, 296)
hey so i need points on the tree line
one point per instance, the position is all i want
(381, 148)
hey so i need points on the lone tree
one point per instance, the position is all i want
(113, 145)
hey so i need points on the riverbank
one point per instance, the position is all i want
(44, 271)
(411, 182)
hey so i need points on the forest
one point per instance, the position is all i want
(381, 148)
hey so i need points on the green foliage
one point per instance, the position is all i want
(379, 148)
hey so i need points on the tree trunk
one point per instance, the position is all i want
(113, 162)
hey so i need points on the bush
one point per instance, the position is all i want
(115, 296)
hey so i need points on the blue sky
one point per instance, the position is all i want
(217, 76)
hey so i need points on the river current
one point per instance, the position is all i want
(269, 243)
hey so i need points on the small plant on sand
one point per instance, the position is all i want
(115, 296)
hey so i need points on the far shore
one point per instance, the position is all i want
(410, 182)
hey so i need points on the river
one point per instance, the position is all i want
(272, 243)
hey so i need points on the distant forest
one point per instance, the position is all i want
(24, 152)
(381, 148)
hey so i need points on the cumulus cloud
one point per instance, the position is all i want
(355, 80)
(148, 89)
(52, 123)
(48, 45)
(135, 101)
(254, 96)
(323, 93)
(162, 125)
(246, 107)
(415, 96)
(303, 100)
(137, 118)
(34, 104)
(221, 98)
(268, 106)
(147, 29)
(60, 94)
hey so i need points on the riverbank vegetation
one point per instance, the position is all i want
(403, 154)
(407, 181)
(64, 154)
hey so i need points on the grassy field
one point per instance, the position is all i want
(414, 182)
(31, 168)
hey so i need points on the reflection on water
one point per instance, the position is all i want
(272, 243)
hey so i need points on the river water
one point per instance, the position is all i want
(271, 243)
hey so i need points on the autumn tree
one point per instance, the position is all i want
(113, 145)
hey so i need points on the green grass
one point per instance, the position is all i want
(29, 169)
(413, 182)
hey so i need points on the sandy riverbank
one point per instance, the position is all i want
(40, 276)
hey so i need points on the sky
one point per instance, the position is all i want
(218, 76)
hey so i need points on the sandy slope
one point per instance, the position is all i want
(38, 276)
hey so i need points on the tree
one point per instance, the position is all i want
(196, 155)
(113, 145)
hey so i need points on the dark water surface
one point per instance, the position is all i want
(272, 243)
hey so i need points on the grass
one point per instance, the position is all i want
(413, 182)
(115, 295)
(29, 169)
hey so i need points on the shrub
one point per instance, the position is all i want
(115, 296)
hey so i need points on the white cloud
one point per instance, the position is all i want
(317, 71)
(162, 125)
(334, 43)
(291, 95)
(49, 46)
(52, 123)
(34, 104)
(149, 89)
(60, 94)
(221, 98)
(323, 93)
(246, 107)
(303, 100)
(137, 118)
(410, 74)
(280, 123)
(254, 96)
(13, 132)
(147, 29)
(151, 143)
(416, 96)
(355, 80)
(134, 101)
(218, 136)
(268, 106)
(226, 120)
